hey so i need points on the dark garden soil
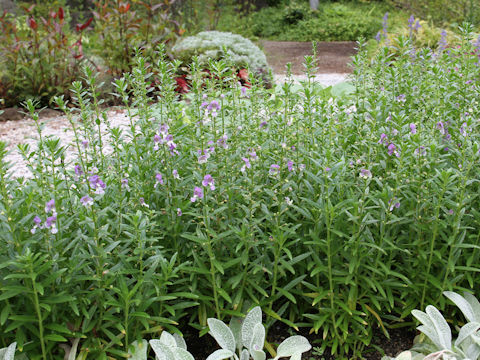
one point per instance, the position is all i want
(332, 57)
(400, 340)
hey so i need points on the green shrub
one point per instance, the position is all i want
(39, 58)
(211, 45)
(339, 214)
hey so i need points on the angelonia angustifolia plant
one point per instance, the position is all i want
(439, 336)
(334, 209)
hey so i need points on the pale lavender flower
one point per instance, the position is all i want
(164, 129)
(50, 206)
(420, 151)
(441, 127)
(222, 96)
(214, 106)
(243, 91)
(394, 132)
(78, 172)
(85, 143)
(302, 167)
(143, 203)
(124, 184)
(442, 44)
(197, 194)
(290, 165)
(222, 142)
(159, 180)
(365, 174)
(202, 159)
(378, 37)
(392, 150)
(51, 223)
(450, 212)
(247, 164)
(327, 169)
(385, 25)
(253, 154)
(179, 212)
(401, 98)
(263, 124)
(97, 184)
(208, 181)
(393, 204)
(463, 129)
(175, 174)
(86, 200)
(37, 221)
(413, 128)
(274, 169)
(383, 139)
(288, 201)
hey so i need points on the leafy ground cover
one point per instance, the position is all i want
(336, 210)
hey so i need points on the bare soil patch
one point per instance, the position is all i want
(332, 57)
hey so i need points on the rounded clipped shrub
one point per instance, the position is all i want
(211, 45)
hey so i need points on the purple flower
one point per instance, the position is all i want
(274, 169)
(208, 181)
(197, 194)
(85, 143)
(86, 201)
(97, 184)
(159, 180)
(202, 159)
(378, 37)
(392, 150)
(420, 151)
(37, 221)
(51, 222)
(247, 164)
(442, 44)
(385, 25)
(253, 154)
(365, 174)
(243, 90)
(263, 124)
(450, 212)
(441, 127)
(383, 139)
(213, 107)
(175, 174)
(143, 203)
(463, 129)
(327, 169)
(290, 165)
(179, 212)
(124, 184)
(302, 167)
(50, 206)
(401, 98)
(164, 129)
(78, 171)
(413, 128)
(393, 204)
(222, 142)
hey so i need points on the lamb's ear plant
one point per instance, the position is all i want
(8, 353)
(245, 340)
(436, 329)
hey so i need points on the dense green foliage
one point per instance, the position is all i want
(334, 213)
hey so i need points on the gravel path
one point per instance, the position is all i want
(16, 132)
